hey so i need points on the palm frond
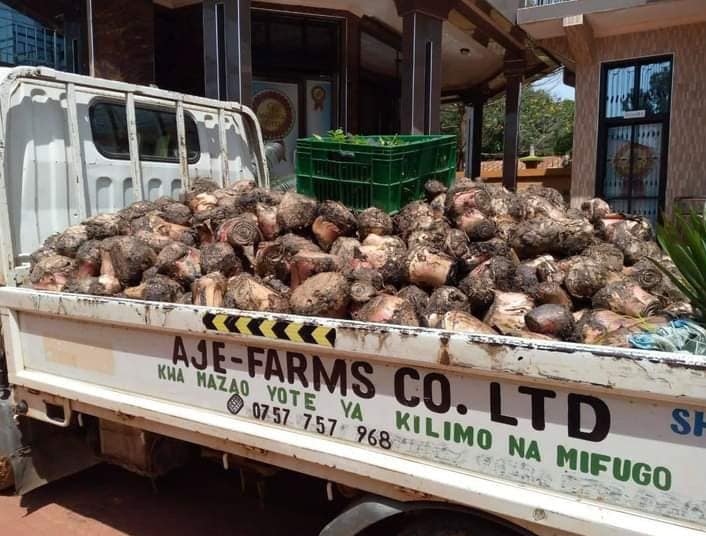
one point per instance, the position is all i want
(683, 238)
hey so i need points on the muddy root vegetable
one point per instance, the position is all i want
(549, 271)
(626, 298)
(443, 300)
(476, 225)
(386, 254)
(434, 188)
(551, 319)
(362, 291)
(68, 242)
(278, 286)
(173, 211)
(607, 328)
(247, 293)
(179, 262)
(499, 270)
(267, 221)
(584, 277)
(274, 258)
(374, 221)
(542, 202)
(103, 226)
(89, 256)
(296, 212)
(209, 290)
(507, 314)
(326, 294)
(535, 237)
(524, 279)
(53, 273)
(95, 286)
(241, 232)
(154, 240)
(130, 257)
(417, 297)
(334, 220)
(575, 235)
(308, 263)
(552, 293)
(160, 288)
(645, 273)
(45, 250)
(456, 244)
(153, 222)
(431, 268)
(607, 254)
(480, 291)
(465, 323)
(595, 209)
(220, 257)
(139, 209)
(466, 195)
(388, 309)
(635, 250)
(346, 249)
(416, 216)
(366, 283)
(479, 252)
(438, 206)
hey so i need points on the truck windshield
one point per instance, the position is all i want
(156, 133)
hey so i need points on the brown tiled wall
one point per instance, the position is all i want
(686, 175)
(124, 40)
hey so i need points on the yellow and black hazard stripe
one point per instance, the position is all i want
(271, 329)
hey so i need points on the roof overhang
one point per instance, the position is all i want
(610, 17)
(476, 40)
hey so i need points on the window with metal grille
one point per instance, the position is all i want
(156, 133)
(634, 134)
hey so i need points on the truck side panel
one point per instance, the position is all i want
(560, 442)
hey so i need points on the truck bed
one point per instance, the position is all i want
(585, 439)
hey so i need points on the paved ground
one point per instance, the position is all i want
(201, 500)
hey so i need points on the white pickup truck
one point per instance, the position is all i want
(439, 433)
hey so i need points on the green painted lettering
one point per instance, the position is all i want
(402, 421)
(564, 456)
(463, 434)
(201, 379)
(598, 463)
(309, 399)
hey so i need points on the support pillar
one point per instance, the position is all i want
(227, 50)
(421, 64)
(514, 69)
(75, 36)
(474, 138)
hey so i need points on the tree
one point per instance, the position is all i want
(545, 122)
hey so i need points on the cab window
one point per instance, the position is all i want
(156, 133)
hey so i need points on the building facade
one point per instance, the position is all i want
(308, 66)
(638, 68)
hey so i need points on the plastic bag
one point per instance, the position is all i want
(677, 336)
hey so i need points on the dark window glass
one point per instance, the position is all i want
(636, 98)
(156, 133)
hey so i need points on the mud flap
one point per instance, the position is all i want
(39, 453)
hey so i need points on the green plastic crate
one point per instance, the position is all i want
(362, 176)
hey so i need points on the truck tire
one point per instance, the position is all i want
(452, 524)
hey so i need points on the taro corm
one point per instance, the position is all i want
(470, 258)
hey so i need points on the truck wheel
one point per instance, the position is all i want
(452, 524)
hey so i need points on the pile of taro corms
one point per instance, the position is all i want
(476, 258)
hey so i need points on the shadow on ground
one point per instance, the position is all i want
(199, 499)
